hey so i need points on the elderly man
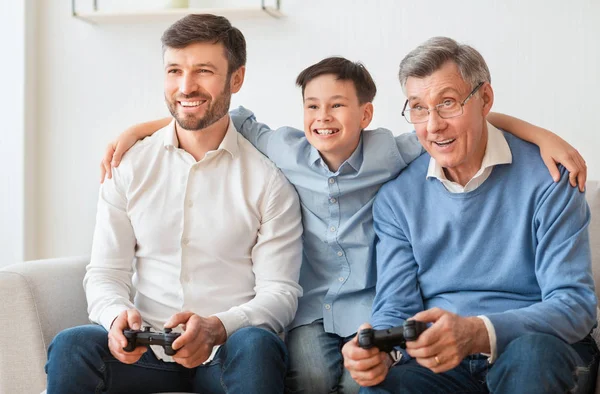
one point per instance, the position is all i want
(475, 239)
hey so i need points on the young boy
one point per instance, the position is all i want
(337, 168)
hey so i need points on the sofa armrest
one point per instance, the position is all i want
(37, 300)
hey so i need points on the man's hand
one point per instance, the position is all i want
(553, 150)
(117, 341)
(448, 341)
(200, 335)
(367, 367)
(114, 153)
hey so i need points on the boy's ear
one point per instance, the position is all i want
(237, 79)
(367, 115)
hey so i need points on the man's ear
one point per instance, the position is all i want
(237, 79)
(487, 95)
(367, 115)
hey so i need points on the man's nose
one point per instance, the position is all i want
(434, 123)
(187, 84)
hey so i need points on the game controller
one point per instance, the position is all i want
(386, 340)
(147, 337)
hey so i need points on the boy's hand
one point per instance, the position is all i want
(200, 335)
(117, 341)
(367, 367)
(553, 150)
(114, 153)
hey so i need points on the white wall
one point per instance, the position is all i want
(94, 80)
(17, 151)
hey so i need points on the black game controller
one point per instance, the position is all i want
(146, 337)
(386, 340)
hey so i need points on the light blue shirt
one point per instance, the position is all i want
(338, 270)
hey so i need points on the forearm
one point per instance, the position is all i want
(564, 318)
(397, 288)
(142, 130)
(107, 282)
(519, 128)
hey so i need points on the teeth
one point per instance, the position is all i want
(325, 131)
(190, 103)
(445, 142)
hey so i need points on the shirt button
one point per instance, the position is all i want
(332, 200)
(186, 241)
(332, 229)
(340, 253)
(341, 278)
(327, 306)
(331, 180)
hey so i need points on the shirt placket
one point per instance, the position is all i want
(185, 276)
(337, 251)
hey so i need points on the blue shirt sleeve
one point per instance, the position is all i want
(409, 146)
(563, 270)
(258, 134)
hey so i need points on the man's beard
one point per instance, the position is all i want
(215, 111)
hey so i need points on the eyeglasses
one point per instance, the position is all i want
(449, 108)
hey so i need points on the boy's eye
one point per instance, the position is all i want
(312, 106)
(337, 105)
(173, 71)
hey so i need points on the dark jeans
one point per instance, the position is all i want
(252, 360)
(530, 364)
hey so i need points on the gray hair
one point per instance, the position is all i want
(430, 56)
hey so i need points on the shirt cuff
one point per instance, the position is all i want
(232, 320)
(493, 355)
(109, 315)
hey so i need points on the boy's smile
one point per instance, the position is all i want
(334, 118)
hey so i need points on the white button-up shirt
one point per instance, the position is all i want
(220, 237)
(497, 152)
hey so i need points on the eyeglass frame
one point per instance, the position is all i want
(436, 108)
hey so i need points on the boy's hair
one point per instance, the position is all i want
(345, 70)
(207, 28)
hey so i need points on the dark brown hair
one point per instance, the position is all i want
(345, 70)
(207, 28)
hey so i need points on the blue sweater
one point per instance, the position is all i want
(516, 250)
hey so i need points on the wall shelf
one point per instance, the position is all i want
(172, 14)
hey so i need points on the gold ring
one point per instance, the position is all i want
(437, 360)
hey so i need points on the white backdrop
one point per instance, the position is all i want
(95, 80)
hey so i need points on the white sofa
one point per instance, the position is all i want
(40, 298)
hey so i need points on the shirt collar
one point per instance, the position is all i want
(229, 143)
(497, 152)
(355, 160)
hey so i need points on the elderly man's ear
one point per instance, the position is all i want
(487, 94)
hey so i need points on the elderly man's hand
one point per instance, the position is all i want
(200, 335)
(367, 367)
(448, 341)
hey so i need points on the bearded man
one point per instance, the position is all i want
(196, 231)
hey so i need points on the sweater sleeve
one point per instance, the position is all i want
(563, 271)
(398, 295)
